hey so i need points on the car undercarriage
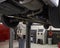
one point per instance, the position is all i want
(39, 11)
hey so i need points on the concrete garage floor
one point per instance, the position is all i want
(6, 45)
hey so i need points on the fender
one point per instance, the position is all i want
(53, 3)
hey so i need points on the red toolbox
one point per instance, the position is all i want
(59, 45)
(4, 32)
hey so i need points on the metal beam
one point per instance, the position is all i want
(11, 38)
(28, 35)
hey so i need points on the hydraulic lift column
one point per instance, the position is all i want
(28, 34)
(11, 38)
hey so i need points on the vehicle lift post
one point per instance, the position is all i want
(28, 34)
(11, 38)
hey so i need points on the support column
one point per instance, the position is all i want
(28, 34)
(11, 38)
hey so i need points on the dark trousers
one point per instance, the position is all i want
(21, 43)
